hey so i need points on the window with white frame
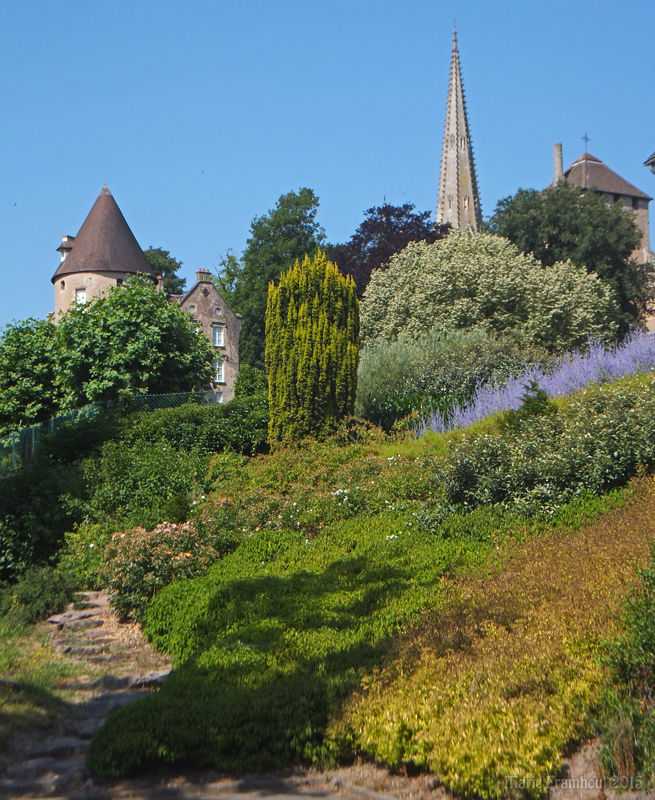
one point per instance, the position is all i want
(218, 336)
(80, 296)
(218, 364)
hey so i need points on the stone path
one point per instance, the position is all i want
(52, 763)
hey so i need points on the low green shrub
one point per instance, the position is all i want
(534, 403)
(598, 441)
(38, 593)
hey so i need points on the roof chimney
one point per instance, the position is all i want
(203, 276)
(66, 246)
(559, 165)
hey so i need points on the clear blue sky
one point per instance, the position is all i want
(199, 115)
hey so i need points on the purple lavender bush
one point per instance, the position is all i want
(572, 372)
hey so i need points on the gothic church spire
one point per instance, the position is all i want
(459, 200)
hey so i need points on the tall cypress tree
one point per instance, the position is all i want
(312, 330)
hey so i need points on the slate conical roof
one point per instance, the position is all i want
(105, 243)
(459, 199)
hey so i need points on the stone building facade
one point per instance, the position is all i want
(105, 253)
(221, 326)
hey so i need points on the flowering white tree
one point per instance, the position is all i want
(484, 281)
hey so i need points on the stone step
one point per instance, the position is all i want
(73, 616)
(101, 658)
(83, 624)
(32, 768)
(100, 598)
(151, 679)
(85, 728)
(62, 747)
(86, 650)
(101, 640)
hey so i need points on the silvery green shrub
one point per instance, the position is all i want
(485, 282)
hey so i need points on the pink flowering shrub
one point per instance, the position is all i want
(140, 563)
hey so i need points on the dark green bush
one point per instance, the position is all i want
(159, 464)
(240, 425)
(73, 441)
(141, 484)
(534, 403)
(38, 593)
(32, 517)
(251, 382)
(120, 472)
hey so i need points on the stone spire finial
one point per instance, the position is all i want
(459, 199)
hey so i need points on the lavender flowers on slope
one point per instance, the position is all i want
(572, 373)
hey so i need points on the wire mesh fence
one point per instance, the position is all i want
(20, 447)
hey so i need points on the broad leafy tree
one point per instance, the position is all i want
(312, 326)
(287, 233)
(165, 265)
(484, 281)
(563, 223)
(130, 340)
(386, 230)
(27, 374)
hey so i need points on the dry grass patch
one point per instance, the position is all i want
(35, 682)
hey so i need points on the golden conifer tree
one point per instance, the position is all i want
(312, 330)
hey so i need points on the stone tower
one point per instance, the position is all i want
(459, 200)
(103, 254)
(590, 173)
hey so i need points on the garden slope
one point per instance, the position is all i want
(308, 654)
(344, 550)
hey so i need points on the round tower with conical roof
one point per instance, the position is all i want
(104, 253)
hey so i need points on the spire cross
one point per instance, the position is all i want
(586, 141)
